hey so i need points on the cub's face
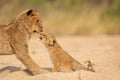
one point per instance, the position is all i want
(47, 39)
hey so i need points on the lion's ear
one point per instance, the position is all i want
(29, 12)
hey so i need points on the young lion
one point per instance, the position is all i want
(14, 38)
(62, 61)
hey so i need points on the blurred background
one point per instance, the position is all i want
(69, 17)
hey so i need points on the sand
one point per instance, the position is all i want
(103, 51)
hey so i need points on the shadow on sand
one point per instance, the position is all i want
(11, 69)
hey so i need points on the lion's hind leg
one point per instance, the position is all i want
(66, 68)
(78, 66)
(5, 48)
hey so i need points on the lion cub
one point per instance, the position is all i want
(62, 61)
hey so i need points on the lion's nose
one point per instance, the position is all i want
(34, 31)
(40, 38)
(41, 30)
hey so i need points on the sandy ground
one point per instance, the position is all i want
(103, 51)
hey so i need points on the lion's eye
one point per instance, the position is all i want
(32, 14)
(54, 41)
(41, 30)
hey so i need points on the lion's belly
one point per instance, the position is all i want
(5, 47)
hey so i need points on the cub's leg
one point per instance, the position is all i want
(56, 67)
(56, 63)
(21, 50)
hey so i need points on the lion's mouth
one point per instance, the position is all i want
(35, 32)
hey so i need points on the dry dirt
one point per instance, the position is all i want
(103, 51)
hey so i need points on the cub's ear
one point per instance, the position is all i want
(29, 12)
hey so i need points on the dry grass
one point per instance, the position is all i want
(71, 23)
(84, 23)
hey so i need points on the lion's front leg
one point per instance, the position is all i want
(30, 64)
(21, 50)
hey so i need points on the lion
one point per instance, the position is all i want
(62, 61)
(15, 36)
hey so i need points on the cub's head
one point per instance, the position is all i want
(29, 20)
(48, 39)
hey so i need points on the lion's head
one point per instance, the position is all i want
(30, 21)
(48, 39)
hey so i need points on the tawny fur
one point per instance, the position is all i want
(15, 36)
(62, 61)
